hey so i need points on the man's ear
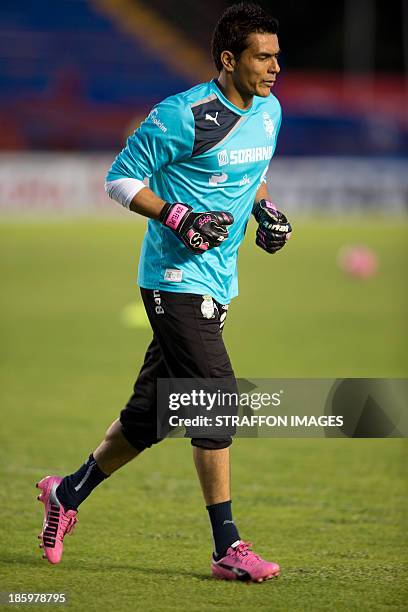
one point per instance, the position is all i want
(228, 61)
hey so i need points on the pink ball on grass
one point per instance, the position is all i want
(358, 261)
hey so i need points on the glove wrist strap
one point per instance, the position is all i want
(164, 211)
(173, 215)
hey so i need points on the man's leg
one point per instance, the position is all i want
(232, 559)
(213, 469)
(124, 440)
(62, 496)
(192, 347)
(114, 451)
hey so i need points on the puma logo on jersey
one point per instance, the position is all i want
(209, 117)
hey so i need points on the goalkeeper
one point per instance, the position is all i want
(206, 153)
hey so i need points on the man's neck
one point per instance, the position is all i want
(232, 94)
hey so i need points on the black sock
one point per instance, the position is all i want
(75, 488)
(224, 531)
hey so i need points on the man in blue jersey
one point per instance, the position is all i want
(205, 152)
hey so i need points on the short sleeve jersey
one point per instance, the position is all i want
(198, 148)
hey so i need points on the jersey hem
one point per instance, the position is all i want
(195, 289)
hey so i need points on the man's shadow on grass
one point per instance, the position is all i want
(36, 562)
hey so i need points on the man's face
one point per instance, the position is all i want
(256, 70)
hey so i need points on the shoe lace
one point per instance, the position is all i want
(67, 524)
(245, 554)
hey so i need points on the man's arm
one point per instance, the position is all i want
(147, 203)
(164, 137)
(146, 151)
(262, 193)
(273, 227)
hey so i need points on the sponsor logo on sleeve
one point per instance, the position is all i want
(154, 117)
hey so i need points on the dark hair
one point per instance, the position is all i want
(234, 27)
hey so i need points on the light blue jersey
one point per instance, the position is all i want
(198, 148)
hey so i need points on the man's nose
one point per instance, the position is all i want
(274, 66)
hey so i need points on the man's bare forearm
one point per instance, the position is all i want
(147, 203)
(262, 193)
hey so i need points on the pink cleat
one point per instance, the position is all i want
(57, 521)
(240, 563)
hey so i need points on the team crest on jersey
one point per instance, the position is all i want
(269, 125)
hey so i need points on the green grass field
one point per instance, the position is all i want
(332, 512)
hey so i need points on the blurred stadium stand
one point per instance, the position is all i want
(77, 74)
(71, 79)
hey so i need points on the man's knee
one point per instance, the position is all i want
(114, 431)
(211, 443)
(116, 434)
(141, 438)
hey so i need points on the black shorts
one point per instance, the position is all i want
(187, 343)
